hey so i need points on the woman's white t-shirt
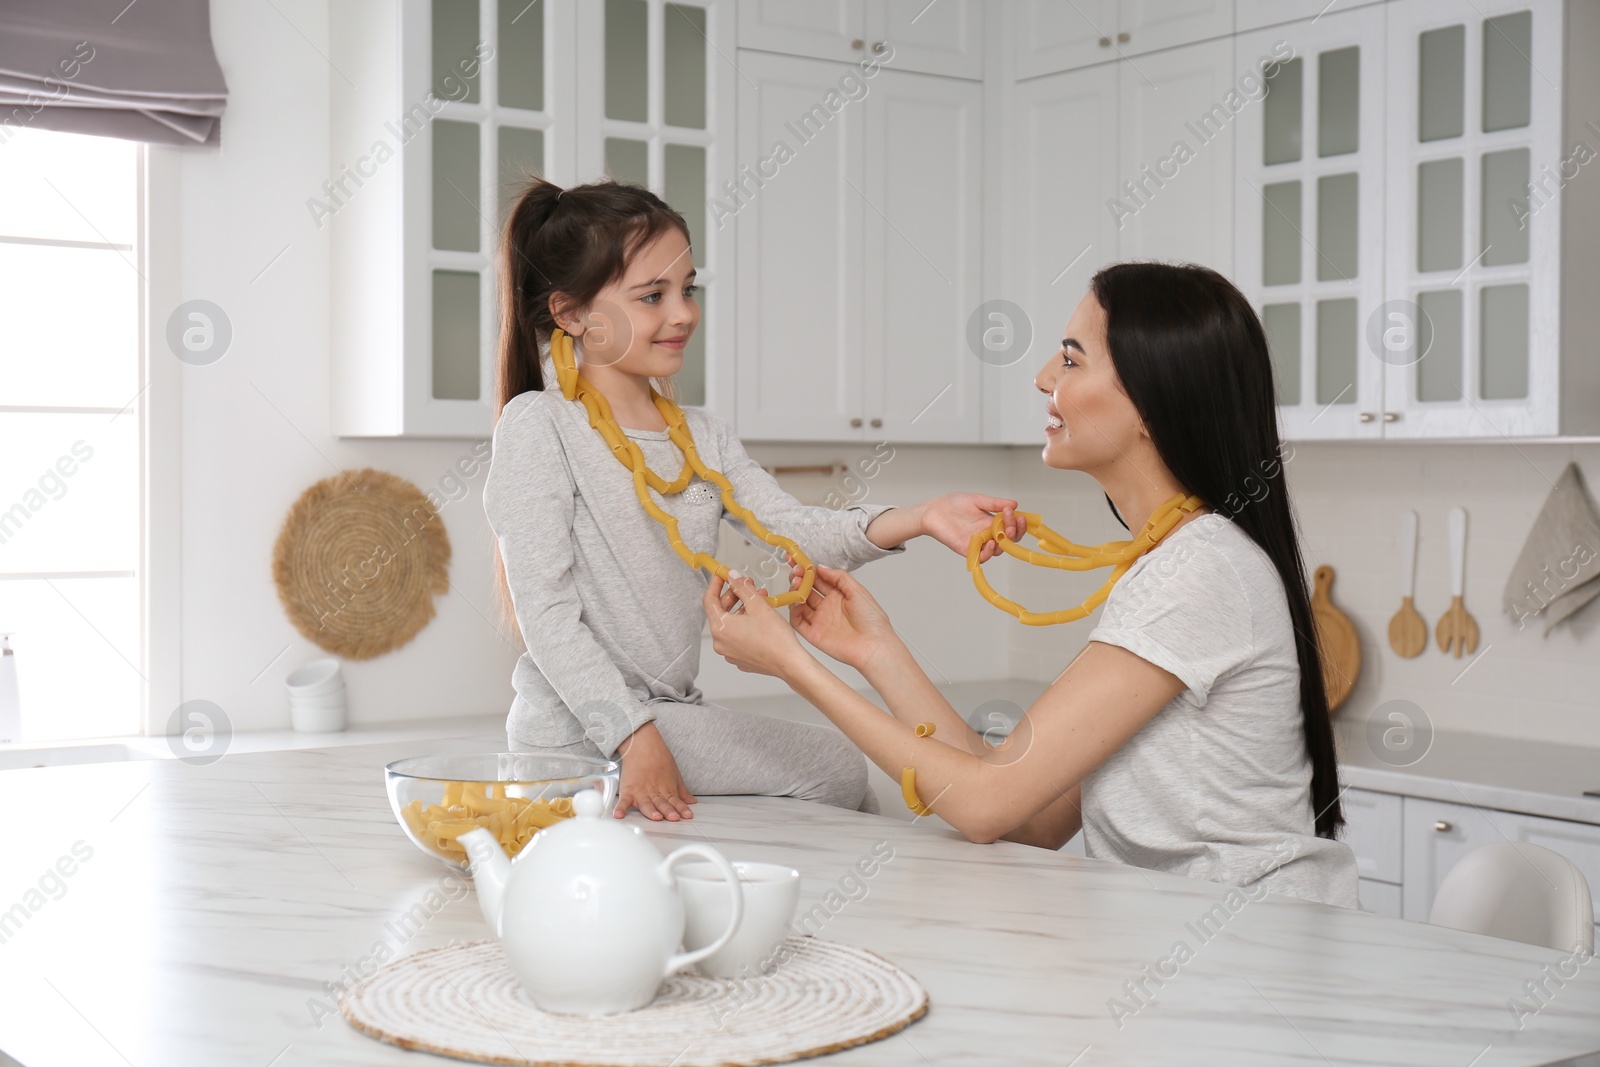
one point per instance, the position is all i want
(1218, 784)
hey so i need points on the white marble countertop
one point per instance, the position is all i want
(180, 914)
(1532, 777)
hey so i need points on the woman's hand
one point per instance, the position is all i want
(747, 631)
(650, 778)
(952, 519)
(841, 618)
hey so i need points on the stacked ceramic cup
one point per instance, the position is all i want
(317, 697)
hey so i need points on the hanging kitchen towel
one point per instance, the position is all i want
(1558, 571)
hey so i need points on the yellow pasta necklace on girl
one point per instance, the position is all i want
(1068, 556)
(574, 387)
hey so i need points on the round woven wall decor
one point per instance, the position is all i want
(358, 562)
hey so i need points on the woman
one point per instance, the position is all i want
(1191, 734)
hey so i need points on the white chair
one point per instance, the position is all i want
(1520, 892)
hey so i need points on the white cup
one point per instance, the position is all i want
(771, 894)
(315, 678)
(311, 718)
(322, 699)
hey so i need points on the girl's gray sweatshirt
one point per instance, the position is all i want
(610, 615)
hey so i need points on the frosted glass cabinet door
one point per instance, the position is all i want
(1472, 256)
(1308, 215)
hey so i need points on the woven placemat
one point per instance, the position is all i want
(358, 562)
(464, 1001)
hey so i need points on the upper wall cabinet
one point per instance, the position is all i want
(1126, 160)
(444, 107)
(1402, 216)
(1474, 257)
(944, 38)
(1052, 36)
(1309, 214)
(1257, 14)
(860, 251)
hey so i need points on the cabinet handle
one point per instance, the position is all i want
(1391, 416)
(1123, 38)
(1105, 42)
(858, 44)
(855, 423)
(877, 48)
(1365, 416)
(1443, 827)
(876, 423)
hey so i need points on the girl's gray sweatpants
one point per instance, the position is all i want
(738, 753)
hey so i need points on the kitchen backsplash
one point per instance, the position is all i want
(1347, 498)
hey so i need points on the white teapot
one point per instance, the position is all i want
(589, 912)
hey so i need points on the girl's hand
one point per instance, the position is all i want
(650, 778)
(841, 618)
(752, 637)
(952, 519)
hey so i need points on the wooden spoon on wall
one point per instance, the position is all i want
(1336, 640)
(1457, 630)
(1408, 633)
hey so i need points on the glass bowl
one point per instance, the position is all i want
(512, 794)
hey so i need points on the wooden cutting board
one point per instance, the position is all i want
(1336, 640)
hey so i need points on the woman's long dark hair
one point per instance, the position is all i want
(1192, 357)
(569, 244)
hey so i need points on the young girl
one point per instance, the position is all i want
(609, 612)
(1191, 734)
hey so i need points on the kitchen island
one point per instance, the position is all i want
(164, 912)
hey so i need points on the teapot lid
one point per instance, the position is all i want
(588, 824)
(587, 804)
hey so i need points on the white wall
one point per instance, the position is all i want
(256, 423)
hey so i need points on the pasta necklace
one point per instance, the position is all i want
(574, 387)
(1119, 555)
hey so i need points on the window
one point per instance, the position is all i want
(70, 298)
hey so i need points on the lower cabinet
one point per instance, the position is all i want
(1380, 898)
(1405, 846)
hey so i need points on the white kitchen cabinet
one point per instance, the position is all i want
(862, 255)
(1429, 277)
(1093, 174)
(1437, 835)
(440, 107)
(1180, 206)
(1381, 898)
(1059, 158)
(1475, 110)
(1053, 36)
(1309, 216)
(923, 171)
(801, 246)
(944, 38)
(1257, 14)
(1577, 841)
(1372, 830)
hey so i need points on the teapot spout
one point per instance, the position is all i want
(491, 870)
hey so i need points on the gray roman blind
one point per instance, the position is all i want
(141, 71)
